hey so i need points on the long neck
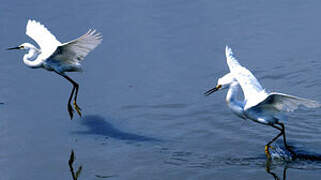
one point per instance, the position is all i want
(232, 101)
(30, 58)
(232, 92)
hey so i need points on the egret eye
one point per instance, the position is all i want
(21, 47)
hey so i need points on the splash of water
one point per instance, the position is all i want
(280, 153)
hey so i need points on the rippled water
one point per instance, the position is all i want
(145, 116)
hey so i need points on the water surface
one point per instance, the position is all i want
(144, 113)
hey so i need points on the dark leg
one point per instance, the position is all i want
(283, 131)
(267, 146)
(75, 87)
(70, 109)
(78, 109)
(284, 140)
(276, 137)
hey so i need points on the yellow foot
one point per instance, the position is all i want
(78, 109)
(267, 152)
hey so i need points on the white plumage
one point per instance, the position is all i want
(287, 103)
(250, 85)
(76, 50)
(254, 93)
(55, 56)
(46, 41)
(58, 57)
(258, 105)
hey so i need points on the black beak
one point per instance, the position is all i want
(13, 48)
(207, 93)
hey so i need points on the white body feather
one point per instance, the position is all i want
(258, 105)
(55, 56)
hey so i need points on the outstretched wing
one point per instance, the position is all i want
(286, 103)
(47, 41)
(252, 89)
(74, 51)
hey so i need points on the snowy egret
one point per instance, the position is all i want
(258, 105)
(58, 57)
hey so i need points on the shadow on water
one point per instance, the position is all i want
(97, 125)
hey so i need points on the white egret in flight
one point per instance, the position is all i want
(58, 57)
(258, 105)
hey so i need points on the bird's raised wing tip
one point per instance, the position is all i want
(42, 36)
(228, 51)
(32, 24)
(32, 21)
(29, 22)
(93, 32)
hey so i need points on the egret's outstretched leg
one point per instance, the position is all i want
(78, 109)
(284, 140)
(267, 146)
(70, 109)
(75, 87)
(282, 129)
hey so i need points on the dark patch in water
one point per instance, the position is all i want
(280, 152)
(97, 125)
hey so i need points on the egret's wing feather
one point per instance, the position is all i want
(248, 82)
(47, 41)
(252, 89)
(74, 51)
(287, 103)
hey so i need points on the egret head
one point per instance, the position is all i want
(222, 83)
(25, 46)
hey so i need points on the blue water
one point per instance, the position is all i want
(144, 113)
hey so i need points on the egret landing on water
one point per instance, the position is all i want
(58, 57)
(258, 105)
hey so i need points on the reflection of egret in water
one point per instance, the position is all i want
(305, 161)
(281, 157)
(268, 170)
(75, 174)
